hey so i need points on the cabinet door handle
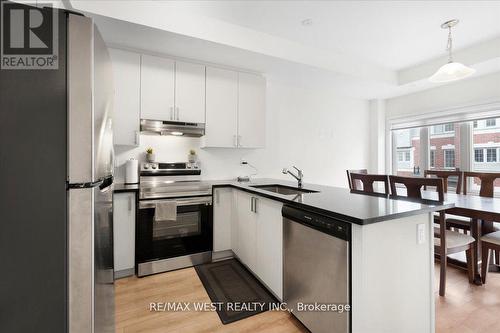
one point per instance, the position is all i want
(177, 113)
(172, 114)
(255, 205)
(129, 203)
(251, 204)
(217, 197)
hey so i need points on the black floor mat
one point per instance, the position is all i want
(232, 284)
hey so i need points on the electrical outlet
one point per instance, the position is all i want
(420, 233)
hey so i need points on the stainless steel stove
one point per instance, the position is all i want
(184, 241)
(172, 180)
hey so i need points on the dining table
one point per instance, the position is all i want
(482, 211)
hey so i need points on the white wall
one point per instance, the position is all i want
(461, 93)
(319, 132)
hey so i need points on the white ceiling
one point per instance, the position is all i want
(392, 34)
(365, 49)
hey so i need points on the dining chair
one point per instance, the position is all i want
(362, 171)
(452, 221)
(444, 175)
(489, 242)
(364, 182)
(447, 242)
(486, 189)
(487, 182)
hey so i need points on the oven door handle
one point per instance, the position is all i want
(180, 202)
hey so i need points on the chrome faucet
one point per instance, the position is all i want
(297, 176)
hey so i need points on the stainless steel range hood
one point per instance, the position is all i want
(176, 128)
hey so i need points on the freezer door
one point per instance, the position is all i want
(104, 317)
(80, 260)
(90, 244)
(90, 103)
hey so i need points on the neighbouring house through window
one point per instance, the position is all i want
(448, 147)
(491, 155)
(449, 158)
(449, 127)
(491, 122)
(478, 155)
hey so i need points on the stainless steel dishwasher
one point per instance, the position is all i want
(316, 262)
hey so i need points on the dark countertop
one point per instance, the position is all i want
(339, 202)
(120, 187)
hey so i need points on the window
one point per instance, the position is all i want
(449, 127)
(442, 129)
(486, 142)
(491, 122)
(404, 156)
(407, 156)
(474, 124)
(407, 153)
(491, 155)
(449, 158)
(478, 155)
(432, 158)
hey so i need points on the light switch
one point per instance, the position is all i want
(420, 233)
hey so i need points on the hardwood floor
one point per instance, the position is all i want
(465, 308)
(468, 308)
(133, 296)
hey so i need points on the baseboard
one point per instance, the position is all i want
(222, 255)
(124, 273)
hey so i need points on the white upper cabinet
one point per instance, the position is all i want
(157, 88)
(235, 109)
(127, 102)
(231, 104)
(221, 108)
(251, 111)
(189, 92)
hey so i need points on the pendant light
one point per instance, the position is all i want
(452, 71)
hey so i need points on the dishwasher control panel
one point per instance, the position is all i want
(319, 222)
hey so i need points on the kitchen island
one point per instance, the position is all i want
(390, 254)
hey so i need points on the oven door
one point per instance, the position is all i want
(190, 233)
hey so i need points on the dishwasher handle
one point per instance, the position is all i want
(325, 224)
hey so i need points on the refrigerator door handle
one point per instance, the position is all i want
(85, 185)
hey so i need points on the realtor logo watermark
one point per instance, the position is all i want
(29, 36)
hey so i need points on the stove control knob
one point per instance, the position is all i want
(146, 166)
(154, 166)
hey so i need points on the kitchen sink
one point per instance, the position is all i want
(281, 189)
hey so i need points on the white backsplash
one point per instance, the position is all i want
(216, 163)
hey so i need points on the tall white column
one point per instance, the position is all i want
(377, 136)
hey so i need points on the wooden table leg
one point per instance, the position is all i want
(476, 233)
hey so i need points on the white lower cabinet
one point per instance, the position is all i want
(269, 244)
(252, 227)
(247, 230)
(124, 233)
(255, 232)
(223, 202)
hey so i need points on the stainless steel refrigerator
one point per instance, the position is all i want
(56, 236)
